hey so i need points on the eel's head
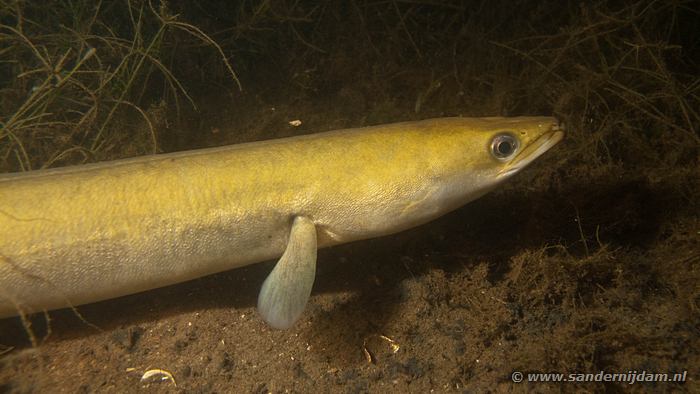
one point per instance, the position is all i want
(475, 155)
(512, 149)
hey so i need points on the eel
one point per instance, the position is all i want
(81, 234)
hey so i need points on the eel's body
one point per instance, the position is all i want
(75, 235)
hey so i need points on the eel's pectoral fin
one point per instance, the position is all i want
(286, 290)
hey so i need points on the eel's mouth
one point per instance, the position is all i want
(534, 150)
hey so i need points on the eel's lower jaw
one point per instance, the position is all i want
(533, 151)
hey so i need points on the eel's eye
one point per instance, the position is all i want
(503, 146)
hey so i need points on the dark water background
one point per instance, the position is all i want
(588, 261)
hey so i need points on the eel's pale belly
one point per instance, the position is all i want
(112, 266)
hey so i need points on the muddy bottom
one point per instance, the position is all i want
(578, 280)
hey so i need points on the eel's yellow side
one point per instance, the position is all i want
(81, 234)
